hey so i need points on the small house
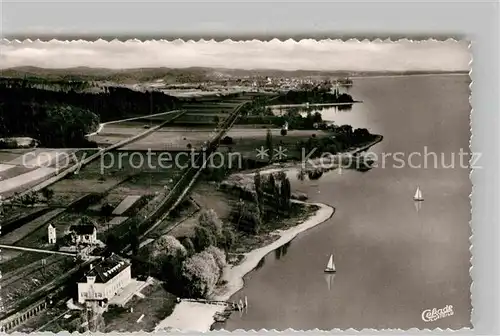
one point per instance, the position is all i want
(83, 234)
(51, 231)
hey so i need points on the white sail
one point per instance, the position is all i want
(330, 266)
(418, 195)
(246, 302)
(330, 262)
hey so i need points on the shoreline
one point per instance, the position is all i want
(182, 313)
(234, 275)
(297, 165)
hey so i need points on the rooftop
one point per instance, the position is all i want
(83, 229)
(107, 269)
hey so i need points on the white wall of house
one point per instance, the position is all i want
(51, 234)
(99, 291)
(86, 239)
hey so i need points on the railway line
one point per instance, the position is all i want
(173, 199)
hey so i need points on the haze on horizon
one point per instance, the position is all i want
(327, 55)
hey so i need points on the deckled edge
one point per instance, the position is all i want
(348, 331)
(213, 40)
(471, 175)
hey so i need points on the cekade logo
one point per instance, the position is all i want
(431, 315)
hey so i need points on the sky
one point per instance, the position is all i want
(307, 54)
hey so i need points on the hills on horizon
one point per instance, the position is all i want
(191, 74)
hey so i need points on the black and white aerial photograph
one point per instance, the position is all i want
(205, 185)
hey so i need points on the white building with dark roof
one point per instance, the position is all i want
(104, 280)
(83, 234)
(52, 235)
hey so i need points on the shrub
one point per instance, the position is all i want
(210, 220)
(166, 245)
(107, 209)
(228, 239)
(188, 244)
(201, 273)
(203, 238)
(219, 256)
(169, 268)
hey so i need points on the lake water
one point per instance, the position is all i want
(392, 261)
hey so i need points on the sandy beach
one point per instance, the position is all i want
(190, 316)
(182, 316)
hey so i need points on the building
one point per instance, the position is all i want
(51, 231)
(104, 280)
(83, 234)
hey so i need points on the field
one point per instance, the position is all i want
(17, 235)
(173, 138)
(115, 132)
(21, 169)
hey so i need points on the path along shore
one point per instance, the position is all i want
(182, 316)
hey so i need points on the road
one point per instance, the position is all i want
(37, 250)
(101, 126)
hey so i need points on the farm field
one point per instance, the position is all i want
(126, 204)
(22, 169)
(172, 138)
(116, 132)
(23, 231)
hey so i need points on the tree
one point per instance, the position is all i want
(286, 193)
(258, 191)
(166, 245)
(107, 209)
(201, 273)
(210, 220)
(170, 270)
(112, 243)
(248, 219)
(271, 184)
(188, 244)
(48, 193)
(203, 238)
(219, 256)
(86, 220)
(134, 238)
(228, 239)
(269, 144)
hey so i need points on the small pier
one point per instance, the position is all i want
(230, 305)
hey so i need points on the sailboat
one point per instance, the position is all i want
(330, 267)
(418, 195)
